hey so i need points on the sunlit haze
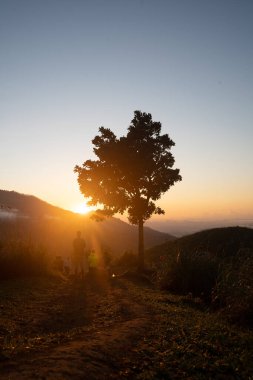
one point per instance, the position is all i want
(69, 67)
(81, 208)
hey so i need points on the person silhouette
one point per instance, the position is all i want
(79, 258)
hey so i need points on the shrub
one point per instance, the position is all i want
(127, 261)
(194, 273)
(234, 288)
(21, 259)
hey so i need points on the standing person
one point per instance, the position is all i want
(79, 258)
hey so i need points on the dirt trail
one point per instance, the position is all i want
(68, 330)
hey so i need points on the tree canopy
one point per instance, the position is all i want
(131, 172)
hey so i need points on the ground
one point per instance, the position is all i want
(119, 328)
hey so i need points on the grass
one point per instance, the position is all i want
(130, 331)
(189, 342)
(215, 265)
(126, 328)
(22, 259)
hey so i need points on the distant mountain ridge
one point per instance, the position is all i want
(112, 234)
(182, 227)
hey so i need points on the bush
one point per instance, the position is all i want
(127, 261)
(194, 273)
(21, 259)
(226, 283)
(234, 288)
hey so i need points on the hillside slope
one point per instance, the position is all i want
(27, 217)
(120, 330)
(28, 205)
(220, 242)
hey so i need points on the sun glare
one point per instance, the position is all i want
(82, 208)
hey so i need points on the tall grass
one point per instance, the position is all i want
(21, 259)
(225, 283)
(233, 292)
(188, 272)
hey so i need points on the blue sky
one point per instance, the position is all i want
(68, 67)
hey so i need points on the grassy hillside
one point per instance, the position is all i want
(216, 265)
(55, 329)
(218, 241)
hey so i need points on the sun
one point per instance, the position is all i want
(82, 208)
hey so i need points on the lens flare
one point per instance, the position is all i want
(82, 208)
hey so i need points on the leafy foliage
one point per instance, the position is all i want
(131, 172)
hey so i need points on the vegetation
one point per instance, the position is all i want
(215, 265)
(233, 292)
(22, 259)
(53, 328)
(131, 172)
(128, 261)
(125, 326)
(191, 273)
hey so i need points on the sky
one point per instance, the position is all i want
(68, 67)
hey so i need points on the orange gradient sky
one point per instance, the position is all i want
(69, 67)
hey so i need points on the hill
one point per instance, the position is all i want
(215, 265)
(27, 217)
(28, 206)
(220, 242)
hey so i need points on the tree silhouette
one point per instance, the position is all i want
(131, 172)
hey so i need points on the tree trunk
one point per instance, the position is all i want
(141, 247)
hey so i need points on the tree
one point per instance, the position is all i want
(131, 172)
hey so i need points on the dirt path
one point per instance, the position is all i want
(122, 329)
(67, 330)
